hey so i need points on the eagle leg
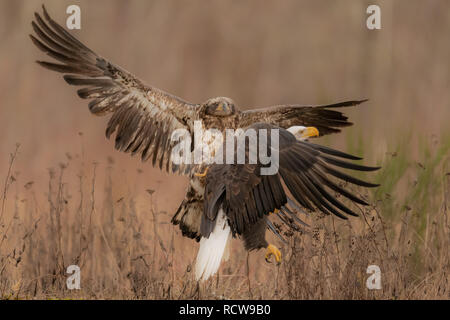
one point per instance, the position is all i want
(272, 250)
(202, 175)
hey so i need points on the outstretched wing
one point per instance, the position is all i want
(143, 118)
(307, 170)
(285, 116)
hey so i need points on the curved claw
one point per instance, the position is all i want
(272, 250)
(274, 211)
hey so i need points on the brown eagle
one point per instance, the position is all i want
(226, 199)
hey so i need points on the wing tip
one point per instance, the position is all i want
(362, 101)
(33, 38)
(349, 103)
(46, 15)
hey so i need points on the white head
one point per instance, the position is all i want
(302, 133)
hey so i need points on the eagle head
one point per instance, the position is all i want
(303, 133)
(220, 107)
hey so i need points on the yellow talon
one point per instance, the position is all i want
(272, 250)
(274, 211)
(202, 175)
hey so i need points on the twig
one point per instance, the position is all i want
(8, 176)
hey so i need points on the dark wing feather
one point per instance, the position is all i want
(224, 186)
(307, 171)
(285, 116)
(143, 117)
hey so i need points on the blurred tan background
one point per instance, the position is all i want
(259, 53)
(291, 51)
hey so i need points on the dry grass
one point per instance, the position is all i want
(68, 198)
(127, 249)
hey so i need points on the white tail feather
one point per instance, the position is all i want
(212, 249)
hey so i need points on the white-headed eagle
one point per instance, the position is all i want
(226, 199)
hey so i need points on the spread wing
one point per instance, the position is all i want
(143, 118)
(285, 116)
(307, 170)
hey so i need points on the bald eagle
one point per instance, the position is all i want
(222, 200)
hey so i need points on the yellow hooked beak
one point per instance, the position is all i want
(220, 107)
(310, 132)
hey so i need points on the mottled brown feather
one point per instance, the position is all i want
(143, 117)
(285, 116)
